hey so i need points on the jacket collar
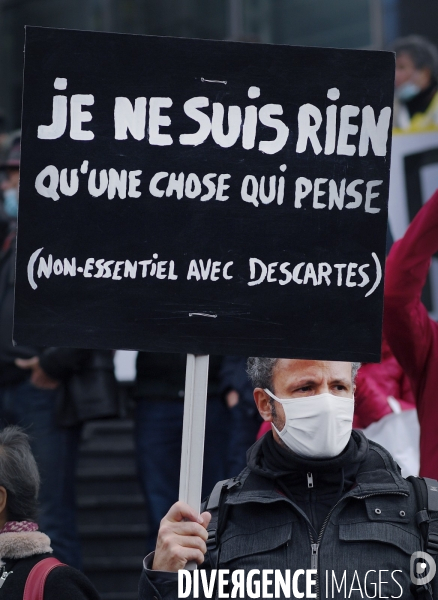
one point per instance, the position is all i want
(21, 544)
(378, 474)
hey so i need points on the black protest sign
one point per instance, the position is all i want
(203, 197)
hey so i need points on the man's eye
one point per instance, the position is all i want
(340, 387)
(305, 388)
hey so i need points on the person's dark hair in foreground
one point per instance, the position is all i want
(22, 546)
(317, 502)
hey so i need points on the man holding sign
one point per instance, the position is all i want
(317, 503)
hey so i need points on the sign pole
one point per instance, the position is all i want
(192, 452)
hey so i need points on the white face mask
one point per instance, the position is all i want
(407, 91)
(316, 426)
(10, 202)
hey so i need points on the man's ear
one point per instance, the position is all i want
(263, 402)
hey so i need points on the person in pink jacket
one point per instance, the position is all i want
(375, 383)
(411, 333)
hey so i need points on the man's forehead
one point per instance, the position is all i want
(298, 368)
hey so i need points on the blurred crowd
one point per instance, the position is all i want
(52, 392)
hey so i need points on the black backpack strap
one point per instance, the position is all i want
(432, 507)
(420, 490)
(422, 516)
(432, 493)
(215, 506)
(426, 492)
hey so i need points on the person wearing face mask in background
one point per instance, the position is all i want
(416, 85)
(10, 180)
(315, 495)
(4, 149)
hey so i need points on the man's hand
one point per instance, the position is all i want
(181, 538)
(39, 378)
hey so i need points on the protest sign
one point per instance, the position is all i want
(202, 197)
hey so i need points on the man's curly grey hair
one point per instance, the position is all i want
(260, 371)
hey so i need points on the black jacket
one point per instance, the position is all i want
(161, 376)
(9, 373)
(63, 583)
(421, 102)
(56, 362)
(88, 390)
(233, 377)
(268, 522)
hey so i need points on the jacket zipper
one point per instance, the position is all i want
(314, 556)
(4, 576)
(315, 547)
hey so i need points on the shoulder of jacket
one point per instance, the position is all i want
(385, 455)
(379, 459)
(66, 579)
